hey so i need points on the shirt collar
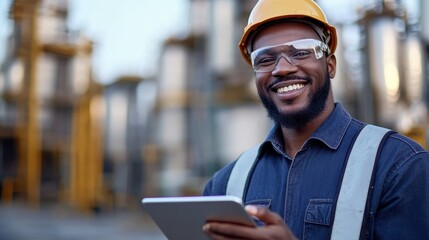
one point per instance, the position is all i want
(331, 132)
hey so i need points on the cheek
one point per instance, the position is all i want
(261, 82)
(258, 83)
(318, 73)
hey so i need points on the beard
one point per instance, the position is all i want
(299, 119)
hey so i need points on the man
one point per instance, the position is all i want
(294, 185)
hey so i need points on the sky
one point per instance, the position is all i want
(127, 34)
(4, 26)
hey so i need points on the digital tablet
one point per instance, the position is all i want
(183, 217)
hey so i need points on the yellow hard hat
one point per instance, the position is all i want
(266, 11)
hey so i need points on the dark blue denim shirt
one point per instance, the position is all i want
(303, 190)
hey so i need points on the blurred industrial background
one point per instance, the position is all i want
(70, 140)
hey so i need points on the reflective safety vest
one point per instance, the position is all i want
(352, 198)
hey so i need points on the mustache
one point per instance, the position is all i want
(288, 78)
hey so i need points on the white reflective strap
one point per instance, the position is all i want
(240, 172)
(355, 185)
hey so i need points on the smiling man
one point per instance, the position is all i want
(293, 77)
(313, 177)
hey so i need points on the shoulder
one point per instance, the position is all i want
(412, 146)
(393, 141)
(403, 148)
(217, 184)
(402, 157)
(396, 152)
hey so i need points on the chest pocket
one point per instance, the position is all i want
(318, 219)
(266, 203)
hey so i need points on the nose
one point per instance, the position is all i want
(284, 66)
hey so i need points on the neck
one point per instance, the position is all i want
(294, 139)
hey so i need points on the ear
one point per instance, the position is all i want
(332, 65)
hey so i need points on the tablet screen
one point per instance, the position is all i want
(184, 217)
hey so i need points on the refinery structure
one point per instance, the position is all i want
(66, 138)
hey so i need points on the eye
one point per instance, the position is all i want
(265, 60)
(301, 54)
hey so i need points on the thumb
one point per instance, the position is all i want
(264, 214)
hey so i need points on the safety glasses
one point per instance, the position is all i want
(296, 52)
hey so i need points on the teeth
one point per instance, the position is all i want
(290, 88)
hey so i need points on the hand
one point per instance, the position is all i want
(274, 228)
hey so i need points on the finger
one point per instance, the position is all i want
(220, 231)
(215, 236)
(265, 215)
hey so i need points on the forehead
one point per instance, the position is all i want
(283, 32)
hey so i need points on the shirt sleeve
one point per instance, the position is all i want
(403, 212)
(207, 188)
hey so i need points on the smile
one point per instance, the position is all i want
(290, 88)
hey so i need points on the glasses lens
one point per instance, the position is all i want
(296, 52)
